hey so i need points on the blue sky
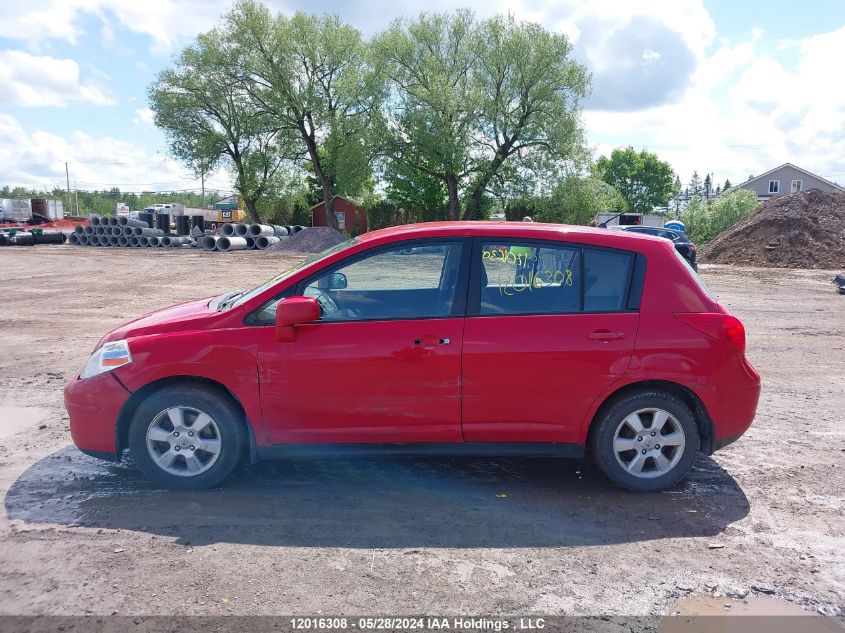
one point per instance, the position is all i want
(733, 88)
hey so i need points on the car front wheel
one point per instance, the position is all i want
(186, 437)
(646, 441)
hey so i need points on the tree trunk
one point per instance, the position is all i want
(316, 165)
(252, 210)
(480, 186)
(328, 198)
(454, 203)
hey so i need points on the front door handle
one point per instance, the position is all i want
(429, 341)
(605, 336)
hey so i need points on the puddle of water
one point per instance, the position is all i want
(16, 419)
(697, 612)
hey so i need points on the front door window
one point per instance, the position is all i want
(412, 281)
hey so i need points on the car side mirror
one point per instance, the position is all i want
(337, 282)
(294, 311)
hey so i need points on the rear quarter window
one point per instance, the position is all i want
(695, 275)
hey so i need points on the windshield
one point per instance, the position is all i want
(246, 296)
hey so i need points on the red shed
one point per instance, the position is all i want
(351, 217)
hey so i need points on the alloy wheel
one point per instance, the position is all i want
(183, 441)
(649, 443)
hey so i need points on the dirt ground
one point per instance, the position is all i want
(408, 535)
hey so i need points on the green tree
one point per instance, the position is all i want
(727, 185)
(642, 178)
(708, 187)
(310, 75)
(415, 191)
(577, 200)
(208, 117)
(706, 221)
(471, 98)
(695, 184)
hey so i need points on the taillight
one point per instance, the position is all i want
(722, 327)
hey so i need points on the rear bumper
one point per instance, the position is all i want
(733, 406)
(93, 406)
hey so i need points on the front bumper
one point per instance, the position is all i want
(94, 405)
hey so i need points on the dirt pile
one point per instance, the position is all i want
(799, 230)
(311, 240)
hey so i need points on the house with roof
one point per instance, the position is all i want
(785, 179)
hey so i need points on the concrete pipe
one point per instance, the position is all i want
(102, 240)
(209, 243)
(280, 231)
(255, 230)
(241, 229)
(138, 231)
(123, 221)
(88, 230)
(155, 240)
(79, 230)
(226, 244)
(133, 242)
(123, 241)
(113, 241)
(250, 242)
(112, 221)
(116, 231)
(173, 240)
(264, 241)
(95, 220)
(228, 229)
(297, 228)
(143, 241)
(73, 238)
(126, 230)
(82, 240)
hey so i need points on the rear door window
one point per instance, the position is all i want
(525, 278)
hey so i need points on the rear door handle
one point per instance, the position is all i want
(605, 335)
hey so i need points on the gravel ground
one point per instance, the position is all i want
(399, 536)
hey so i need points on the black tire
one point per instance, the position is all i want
(602, 440)
(227, 417)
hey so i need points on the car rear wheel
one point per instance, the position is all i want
(186, 437)
(646, 441)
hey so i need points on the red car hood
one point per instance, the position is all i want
(181, 317)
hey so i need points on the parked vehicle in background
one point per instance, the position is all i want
(682, 243)
(614, 219)
(491, 338)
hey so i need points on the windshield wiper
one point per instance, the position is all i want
(227, 299)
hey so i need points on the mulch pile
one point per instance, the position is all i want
(310, 240)
(799, 230)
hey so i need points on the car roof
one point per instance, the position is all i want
(505, 230)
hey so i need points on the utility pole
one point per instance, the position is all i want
(202, 180)
(67, 176)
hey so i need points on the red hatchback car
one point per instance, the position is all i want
(458, 338)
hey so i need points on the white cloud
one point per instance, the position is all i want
(95, 162)
(143, 116)
(166, 22)
(745, 112)
(40, 80)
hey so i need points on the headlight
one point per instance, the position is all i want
(110, 356)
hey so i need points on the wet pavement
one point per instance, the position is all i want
(387, 502)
